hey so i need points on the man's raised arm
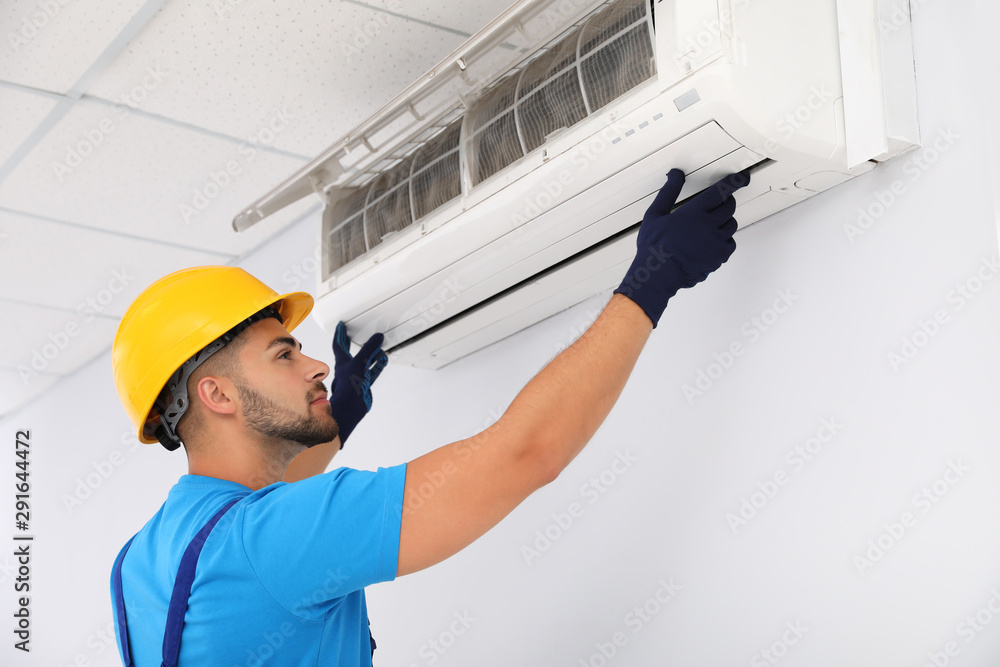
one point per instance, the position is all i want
(456, 493)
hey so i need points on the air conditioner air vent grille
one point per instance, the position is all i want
(436, 175)
(394, 199)
(550, 95)
(495, 141)
(606, 56)
(347, 240)
(600, 61)
(387, 209)
(617, 58)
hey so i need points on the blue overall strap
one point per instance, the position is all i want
(182, 590)
(120, 604)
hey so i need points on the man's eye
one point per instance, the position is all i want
(284, 353)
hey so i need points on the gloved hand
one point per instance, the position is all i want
(679, 249)
(350, 390)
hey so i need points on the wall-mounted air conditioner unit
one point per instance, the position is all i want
(508, 183)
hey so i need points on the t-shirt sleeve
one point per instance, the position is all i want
(313, 541)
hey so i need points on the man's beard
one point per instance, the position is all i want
(266, 417)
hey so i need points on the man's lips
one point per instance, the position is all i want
(321, 399)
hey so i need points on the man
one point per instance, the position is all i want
(257, 558)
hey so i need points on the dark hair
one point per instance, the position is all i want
(222, 359)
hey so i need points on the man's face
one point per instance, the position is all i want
(290, 381)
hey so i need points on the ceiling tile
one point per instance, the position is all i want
(41, 341)
(83, 270)
(20, 113)
(50, 45)
(115, 169)
(15, 393)
(458, 15)
(329, 66)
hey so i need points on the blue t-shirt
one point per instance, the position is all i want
(281, 578)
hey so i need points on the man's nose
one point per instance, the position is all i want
(318, 369)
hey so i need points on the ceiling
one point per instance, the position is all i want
(132, 132)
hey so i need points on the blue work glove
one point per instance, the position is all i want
(351, 388)
(678, 249)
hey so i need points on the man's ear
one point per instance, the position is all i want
(217, 394)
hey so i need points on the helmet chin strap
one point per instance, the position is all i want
(170, 415)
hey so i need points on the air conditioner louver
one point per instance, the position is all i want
(509, 182)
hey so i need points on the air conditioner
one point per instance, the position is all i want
(508, 183)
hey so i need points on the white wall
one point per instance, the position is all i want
(664, 519)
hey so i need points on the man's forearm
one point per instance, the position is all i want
(562, 407)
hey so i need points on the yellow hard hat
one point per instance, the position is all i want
(175, 322)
